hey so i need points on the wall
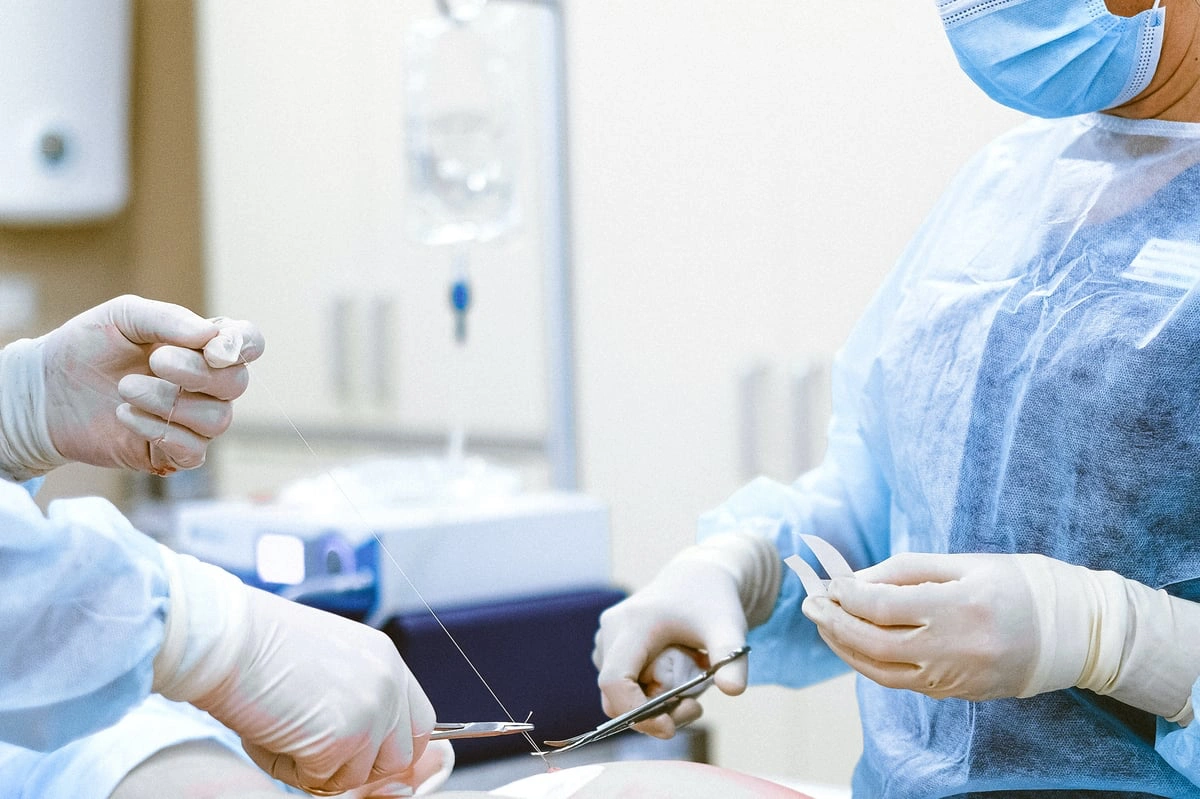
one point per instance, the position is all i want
(153, 247)
(743, 176)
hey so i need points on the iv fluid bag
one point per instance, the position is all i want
(461, 137)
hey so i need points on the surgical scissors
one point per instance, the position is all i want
(661, 703)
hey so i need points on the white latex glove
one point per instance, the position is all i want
(320, 702)
(703, 600)
(423, 778)
(131, 383)
(988, 626)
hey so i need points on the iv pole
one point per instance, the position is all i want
(561, 434)
(561, 430)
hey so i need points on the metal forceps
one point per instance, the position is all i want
(450, 730)
(658, 704)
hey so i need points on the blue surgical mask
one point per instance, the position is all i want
(1054, 58)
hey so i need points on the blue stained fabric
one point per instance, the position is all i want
(1024, 381)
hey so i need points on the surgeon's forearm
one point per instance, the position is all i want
(1160, 656)
(1112, 635)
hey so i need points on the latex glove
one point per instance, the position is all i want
(703, 600)
(320, 702)
(988, 626)
(423, 778)
(131, 383)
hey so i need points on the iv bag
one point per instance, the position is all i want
(461, 118)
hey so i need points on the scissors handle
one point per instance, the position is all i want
(451, 730)
(660, 703)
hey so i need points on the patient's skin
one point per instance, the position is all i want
(197, 770)
(640, 780)
(205, 770)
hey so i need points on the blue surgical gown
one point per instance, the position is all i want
(1026, 380)
(83, 600)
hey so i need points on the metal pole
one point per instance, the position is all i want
(562, 433)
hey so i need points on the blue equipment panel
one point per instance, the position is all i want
(535, 653)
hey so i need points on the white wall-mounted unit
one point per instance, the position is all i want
(64, 110)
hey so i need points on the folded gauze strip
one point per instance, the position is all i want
(829, 558)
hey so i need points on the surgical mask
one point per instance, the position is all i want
(1054, 58)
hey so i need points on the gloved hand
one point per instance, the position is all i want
(988, 626)
(704, 600)
(131, 383)
(423, 778)
(320, 702)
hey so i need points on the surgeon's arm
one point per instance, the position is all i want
(92, 613)
(82, 601)
(320, 702)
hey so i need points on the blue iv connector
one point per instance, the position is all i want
(460, 301)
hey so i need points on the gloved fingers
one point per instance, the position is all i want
(189, 369)
(622, 690)
(354, 773)
(914, 568)
(852, 633)
(285, 769)
(380, 789)
(433, 767)
(144, 321)
(887, 605)
(665, 725)
(428, 774)
(281, 767)
(622, 674)
(237, 341)
(676, 665)
(732, 677)
(159, 399)
(885, 673)
(396, 754)
(172, 446)
(673, 666)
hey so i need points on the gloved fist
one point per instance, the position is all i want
(703, 600)
(423, 778)
(131, 383)
(320, 702)
(985, 626)
(943, 625)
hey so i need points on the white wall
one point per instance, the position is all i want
(743, 175)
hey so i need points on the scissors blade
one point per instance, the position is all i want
(450, 730)
(656, 705)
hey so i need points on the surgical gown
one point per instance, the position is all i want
(1026, 380)
(83, 598)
